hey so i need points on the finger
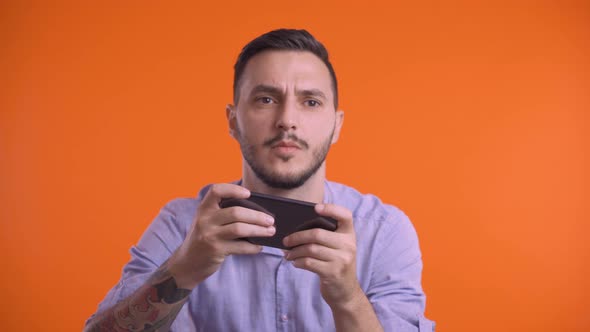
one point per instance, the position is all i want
(340, 213)
(242, 214)
(242, 247)
(312, 250)
(239, 230)
(315, 235)
(223, 190)
(311, 264)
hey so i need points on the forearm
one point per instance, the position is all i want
(357, 315)
(153, 307)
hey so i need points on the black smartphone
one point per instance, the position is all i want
(290, 216)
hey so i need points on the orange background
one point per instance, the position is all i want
(473, 118)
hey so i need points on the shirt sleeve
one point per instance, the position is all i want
(395, 288)
(158, 242)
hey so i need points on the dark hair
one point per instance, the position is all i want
(283, 39)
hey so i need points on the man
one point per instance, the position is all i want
(192, 272)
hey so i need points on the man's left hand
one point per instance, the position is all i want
(331, 255)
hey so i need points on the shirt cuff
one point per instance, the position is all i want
(425, 325)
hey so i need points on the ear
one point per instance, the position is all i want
(338, 125)
(230, 114)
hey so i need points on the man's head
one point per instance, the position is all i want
(286, 40)
(284, 116)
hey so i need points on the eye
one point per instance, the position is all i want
(312, 103)
(264, 100)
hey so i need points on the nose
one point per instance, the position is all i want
(287, 117)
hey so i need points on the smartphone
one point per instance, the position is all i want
(290, 216)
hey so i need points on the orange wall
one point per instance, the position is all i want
(474, 119)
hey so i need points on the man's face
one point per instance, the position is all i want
(285, 119)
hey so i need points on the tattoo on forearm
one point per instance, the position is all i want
(153, 307)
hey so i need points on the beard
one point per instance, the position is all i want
(289, 180)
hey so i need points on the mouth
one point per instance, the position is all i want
(285, 149)
(286, 145)
(286, 141)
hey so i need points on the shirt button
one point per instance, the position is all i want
(284, 318)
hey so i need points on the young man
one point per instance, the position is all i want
(192, 272)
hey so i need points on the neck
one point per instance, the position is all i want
(311, 191)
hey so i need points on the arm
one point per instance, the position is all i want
(213, 236)
(153, 307)
(356, 314)
(332, 256)
(395, 287)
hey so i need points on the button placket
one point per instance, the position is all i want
(281, 297)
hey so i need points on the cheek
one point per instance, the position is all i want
(250, 134)
(320, 130)
(253, 122)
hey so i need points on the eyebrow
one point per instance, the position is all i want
(266, 89)
(273, 90)
(311, 93)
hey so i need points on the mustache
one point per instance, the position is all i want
(286, 137)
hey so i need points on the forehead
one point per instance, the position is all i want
(286, 70)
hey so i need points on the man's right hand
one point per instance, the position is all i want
(215, 234)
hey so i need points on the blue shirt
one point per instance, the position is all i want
(264, 292)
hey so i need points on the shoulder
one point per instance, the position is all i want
(182, 211)
(185, 206)
(375, 222)
(176, 216)
(363, 206)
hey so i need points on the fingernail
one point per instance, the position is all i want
(269, 220)
(319, 207)
(271, 230)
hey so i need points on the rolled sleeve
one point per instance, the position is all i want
(395, 290)
(156, 245)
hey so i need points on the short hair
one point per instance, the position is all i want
(283, 39)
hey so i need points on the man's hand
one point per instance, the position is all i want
(215, 234)
(331, 255)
